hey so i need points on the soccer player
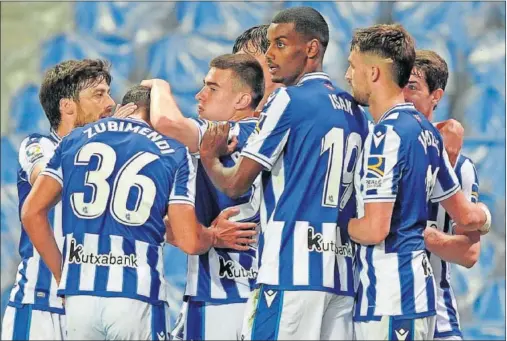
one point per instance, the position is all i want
(404, 166)
(425, 88)
(219, 282)
(308, 140)
(72, 92)
(254, 42)
(117, 179)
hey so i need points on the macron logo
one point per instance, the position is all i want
(377, 138)
(161, 336)
(401, 334)
(270, 296)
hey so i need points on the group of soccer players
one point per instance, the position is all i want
(302, 219)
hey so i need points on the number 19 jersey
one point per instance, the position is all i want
(118, 177)
(308, 141)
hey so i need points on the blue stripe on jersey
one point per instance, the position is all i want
(195, 328)
(130, 278)
(44, 276)
(229, 286)
(102, 272)
(152, 255)
(19, 295)
(406, 284)
(158, 322)
(203, 279)
(371, 292)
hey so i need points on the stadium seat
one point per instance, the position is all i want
(122, 19)
(490, 305)
(186, 68)
(483, 110)
(71, 46)
(25, 112)
(225, 20)
(343, 17)
(486, 61)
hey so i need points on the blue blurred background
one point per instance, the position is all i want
(176, 40)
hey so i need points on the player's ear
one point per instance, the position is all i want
(244, 101)
(67, 106)
(374, 73)
(436, 96)
(312, 49)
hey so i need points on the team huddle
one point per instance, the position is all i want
(301, 218)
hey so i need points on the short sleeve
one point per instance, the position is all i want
(469, 181)
(34, 151)
(383, 164)
(447, 183)
(183, 188)
(268, 141)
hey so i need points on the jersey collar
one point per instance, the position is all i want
(401, 106)
(314, 75)
(54, 135)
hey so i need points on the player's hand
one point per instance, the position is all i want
(231, 234)
(452, 132)
(156, 82)
(214, 142)
(122, 111)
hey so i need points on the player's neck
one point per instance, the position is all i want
(64, 128)
(317, 67)
(382, 101)
(267, 92)
(242, 114)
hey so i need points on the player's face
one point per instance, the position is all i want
(356, 76)
(218, 96)
(286, 55)
(261, 58)
(418, 93)
(94, 103)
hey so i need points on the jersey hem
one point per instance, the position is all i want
(395, 317)
(217, 300)
(257, 158)
(110, 294)
(40, 307)
(349, 293)
(447, 334)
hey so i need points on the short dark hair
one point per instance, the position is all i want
(66, 80)
(388, 41)
(139, 95)
(433, 67)
(248, 70)
(254, 40)
(307, 21)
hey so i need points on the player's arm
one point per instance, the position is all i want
(183, 228)
(261, 153)
(34, 153)
(453, 133)
(463, 247)
(467, 215)
(166, 117)
(382, 165)
(34, 214)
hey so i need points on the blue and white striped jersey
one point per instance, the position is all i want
(309, 139)
(447, 310)
(34, 282)
(404, 162)
(223, 275)
(118, 177)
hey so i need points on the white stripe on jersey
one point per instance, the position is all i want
(115, 271)
(87, 273)
(301, 253)
(192, 275)
(217, 290)
(269, 270)
(143, 286)
(438, 193)
(329, 234)
(184, 199)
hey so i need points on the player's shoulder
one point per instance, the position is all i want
(464, 163)
(37, 145)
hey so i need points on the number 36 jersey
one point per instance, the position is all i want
(309, 138)
(118, 177)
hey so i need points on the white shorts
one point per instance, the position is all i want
(115, 318)
(297, 315)
(26, 323)
(209, 321)
(390, 329)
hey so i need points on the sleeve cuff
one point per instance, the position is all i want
(447, 194)
(261, 159)
(53, 174)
